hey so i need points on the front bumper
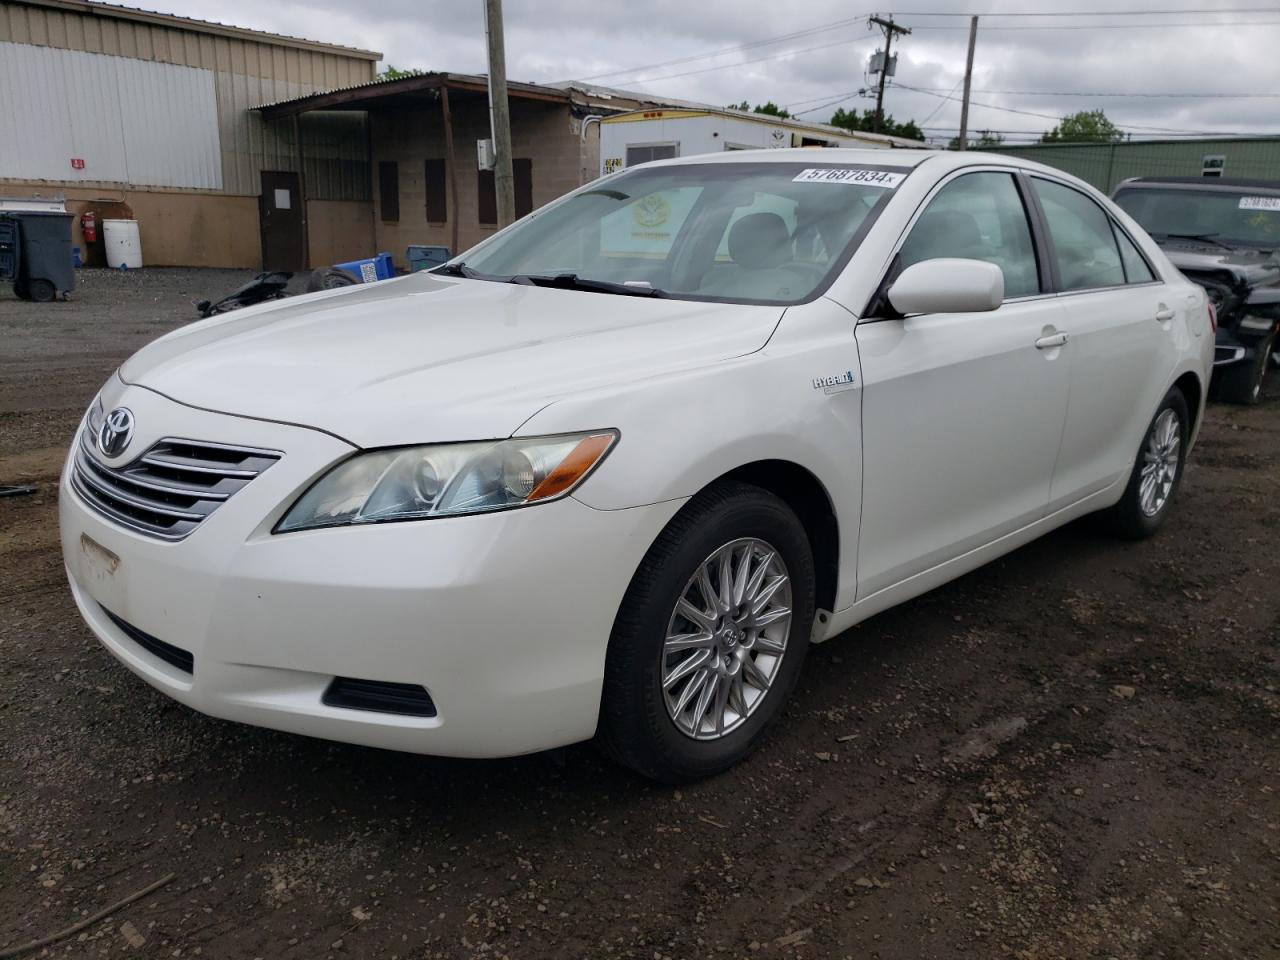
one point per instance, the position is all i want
(504, 618)
(1240, 344)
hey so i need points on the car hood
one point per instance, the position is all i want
(425, 358)
(1251, 267)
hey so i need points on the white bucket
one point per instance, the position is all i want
(124, 247)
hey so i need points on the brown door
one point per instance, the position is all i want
(280, 213)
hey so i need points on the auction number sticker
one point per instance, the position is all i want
(1260, 203)
(874, 178)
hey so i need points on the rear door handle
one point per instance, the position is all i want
(1163, 314)
(1053, 340)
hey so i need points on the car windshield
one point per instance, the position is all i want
(1226, 217)
(732, 232)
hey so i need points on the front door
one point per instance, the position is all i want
(1119, 318)
(962, 413)
(280, 213)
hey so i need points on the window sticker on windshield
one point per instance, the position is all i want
(874, 178)
(1260, 203)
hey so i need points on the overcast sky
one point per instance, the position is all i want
(1019, 60)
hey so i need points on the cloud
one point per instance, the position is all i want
(561, 39)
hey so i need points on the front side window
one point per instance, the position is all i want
(1083, 240)
(753, 232)
(978, 216)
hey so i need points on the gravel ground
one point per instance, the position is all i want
(1069, 753)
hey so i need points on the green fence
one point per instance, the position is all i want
(1104, 165)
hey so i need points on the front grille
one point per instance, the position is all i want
(174, 656)
(169, 490)
(408, 699)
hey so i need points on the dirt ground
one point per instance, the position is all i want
(1069, 753)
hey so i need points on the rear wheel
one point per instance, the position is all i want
(1157, 473)
(1242, 382)
(710, 637)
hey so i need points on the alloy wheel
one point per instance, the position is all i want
(1160, 458)
(726, 638)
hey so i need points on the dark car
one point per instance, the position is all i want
(1225, 235)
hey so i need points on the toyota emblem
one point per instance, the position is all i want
(116, 432)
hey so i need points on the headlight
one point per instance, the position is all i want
(447, 479)
(93, 419)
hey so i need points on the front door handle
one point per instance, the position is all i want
(1164, 314)
(1053, 340)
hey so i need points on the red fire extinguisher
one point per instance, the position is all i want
(89, 226)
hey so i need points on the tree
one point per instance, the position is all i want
(1087, 126)
(985, 139)
(394, 73)
(771, 109)
(866, 123)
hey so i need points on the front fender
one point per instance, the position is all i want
(681, 432)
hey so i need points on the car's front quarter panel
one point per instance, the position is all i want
(683, 431)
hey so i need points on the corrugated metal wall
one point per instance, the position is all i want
(1105, 165)
(129, 121)
(245, 74)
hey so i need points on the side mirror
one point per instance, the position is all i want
(948, 285)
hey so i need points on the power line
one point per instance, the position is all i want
(1086, 13)
(743, 63)
(738, 48)
(1098, 93)
(1058, 118)
(1111, 26)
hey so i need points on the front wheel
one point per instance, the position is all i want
(710, 636)
(1157, 473)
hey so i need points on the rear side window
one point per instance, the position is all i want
(1083, 240)
(1135, 267)
(978, 216)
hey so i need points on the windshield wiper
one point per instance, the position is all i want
(1205, 237)
(571, 281)
(459, 269)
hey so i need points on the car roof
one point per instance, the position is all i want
(1202, 183)
(941, 160)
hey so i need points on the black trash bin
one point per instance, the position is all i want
(44, 254)
(9, 250)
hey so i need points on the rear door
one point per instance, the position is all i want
(281, 216)
(1118, 317)
(962, 413)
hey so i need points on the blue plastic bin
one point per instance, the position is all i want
(424, 258)
(370, 270)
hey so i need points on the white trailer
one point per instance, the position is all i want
(643, 135)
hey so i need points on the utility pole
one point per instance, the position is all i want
(968, 82)
(890, 30)
(500, 115)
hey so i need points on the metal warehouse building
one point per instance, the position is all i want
(1105, 164)
(128, 111)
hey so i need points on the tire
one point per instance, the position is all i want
(641, 723)
(1242, 382)
(1130, 518)
(329, 278)
(43, 291)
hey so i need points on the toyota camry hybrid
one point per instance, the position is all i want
(610, 472)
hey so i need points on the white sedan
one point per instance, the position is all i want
(612, 471)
